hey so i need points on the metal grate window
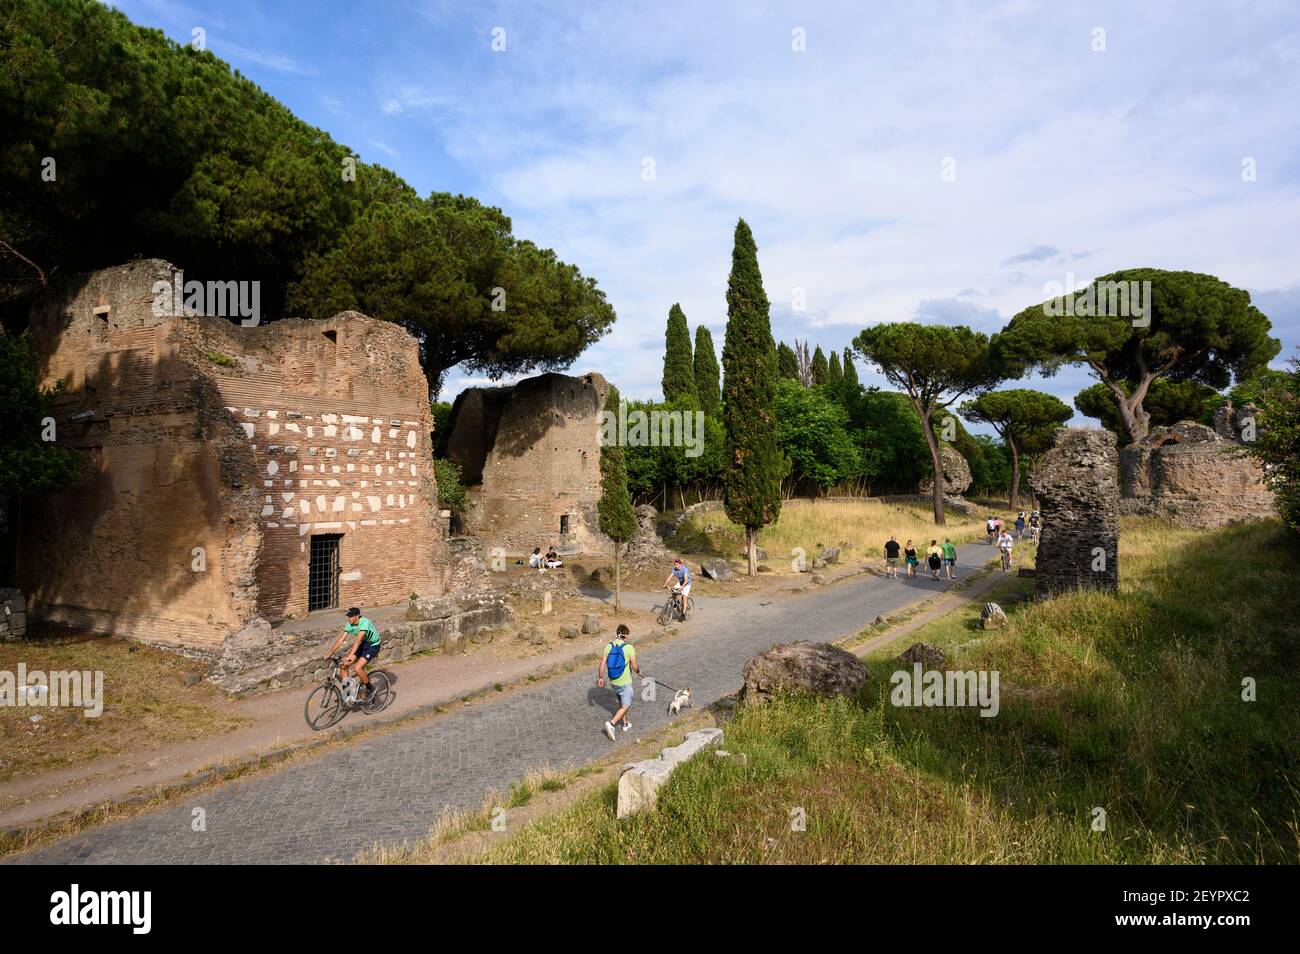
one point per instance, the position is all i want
(323, 573)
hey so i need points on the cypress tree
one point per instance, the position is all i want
(708, 385)
(835, 374)
(679, 376)
(850, 372)
(820, 369)
(752, 481)
(787, 362)
(617, 518)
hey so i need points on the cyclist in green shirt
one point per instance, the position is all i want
(365, 647)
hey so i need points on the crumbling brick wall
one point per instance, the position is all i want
(534, 448)
(1196, 475)
(1077, 486)
(215, 452)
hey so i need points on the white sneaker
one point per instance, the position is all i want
(609, 730)
(626, 725)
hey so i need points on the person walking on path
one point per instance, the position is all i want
(949, 559)
(618, 662)
(1020, 525)
(934, 559)
(909, 557)
(891, 557)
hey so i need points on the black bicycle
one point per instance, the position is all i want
(674, 609)
(334, 698)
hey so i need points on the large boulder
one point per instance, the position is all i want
(930, 657)
(718, 570)
(817, 668)
(956, 473)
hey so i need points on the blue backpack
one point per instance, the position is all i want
(614, 661)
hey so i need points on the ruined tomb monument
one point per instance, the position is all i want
(529, 456)
(1077, 485)
(234, 475)
(1195, 475)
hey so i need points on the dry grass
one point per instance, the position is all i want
(146, 704)
(860, 526)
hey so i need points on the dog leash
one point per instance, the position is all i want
(664, 684)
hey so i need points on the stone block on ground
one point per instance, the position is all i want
(993, 616)
(638, 786)
(591, 624)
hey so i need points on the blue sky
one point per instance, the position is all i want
(1075, 152)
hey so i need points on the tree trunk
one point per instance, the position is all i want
(937, 460)
(1015, 472)
(751, 549)
(1137, 422)
(618, 576)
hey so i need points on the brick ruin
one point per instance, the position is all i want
(234, 474)
(1077, 486)
(1195, 475)
(529, 456)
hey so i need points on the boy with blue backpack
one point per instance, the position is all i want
(618, 662)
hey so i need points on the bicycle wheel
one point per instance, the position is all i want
(324, 706)
(666, 616)
(379, 681)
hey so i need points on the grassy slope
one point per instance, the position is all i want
(1129, 703)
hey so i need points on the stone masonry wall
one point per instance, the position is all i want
(213, 453)
(1077, 486)
(536, 449)
(1195, 475)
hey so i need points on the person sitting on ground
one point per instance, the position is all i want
(949, 559)
(1005, 543)
(934, 559)
(535, 559)
(553, 560)
(618, 662)
(909, 557)
(892, 550)
(365, 647)
(679, 580)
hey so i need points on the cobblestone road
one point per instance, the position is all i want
(395, 786)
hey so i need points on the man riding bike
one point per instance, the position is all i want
(365, 647)
(679, 580)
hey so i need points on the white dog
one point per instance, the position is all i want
(680, 701)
